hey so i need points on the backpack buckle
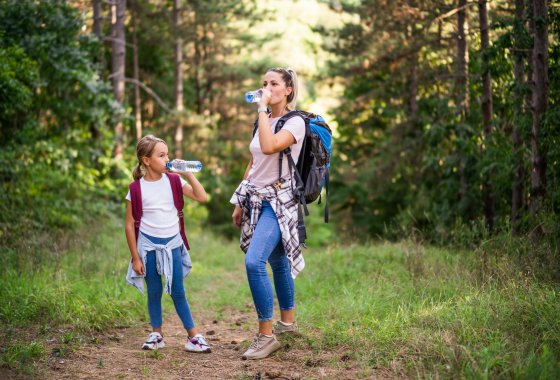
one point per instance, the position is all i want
(278, 184)
(180, 214)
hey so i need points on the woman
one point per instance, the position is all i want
(267, 212)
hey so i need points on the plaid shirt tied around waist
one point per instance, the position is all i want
(280, 196)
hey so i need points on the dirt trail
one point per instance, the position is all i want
(118, 356)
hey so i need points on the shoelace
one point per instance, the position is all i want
(198, 341)
(153, 339)
(255, 344)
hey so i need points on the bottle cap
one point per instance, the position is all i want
(168, 166)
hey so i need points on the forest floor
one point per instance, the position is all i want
(117, 355)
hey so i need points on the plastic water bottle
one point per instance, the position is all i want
(184, 166)
(253, 96)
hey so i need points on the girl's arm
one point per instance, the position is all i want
(238, 212)
(137, 264)
(193, 189)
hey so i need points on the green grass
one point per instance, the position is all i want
(434, 313)
(420, 311)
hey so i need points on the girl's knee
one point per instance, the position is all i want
(178, 295)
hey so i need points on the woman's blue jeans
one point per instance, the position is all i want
(155, 288)
(266, 245)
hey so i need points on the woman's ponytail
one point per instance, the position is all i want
(292, 98)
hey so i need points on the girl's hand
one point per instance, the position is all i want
(237, 216)
(138, 266)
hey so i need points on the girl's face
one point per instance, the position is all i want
(275, 84)
(157, 160)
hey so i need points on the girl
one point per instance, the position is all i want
(266, 209)
(159, 249)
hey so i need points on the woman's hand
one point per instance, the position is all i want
(265, 97)
(237, 216)
(138, 266)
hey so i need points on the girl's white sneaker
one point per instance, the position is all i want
(197, 343)
(155, 341)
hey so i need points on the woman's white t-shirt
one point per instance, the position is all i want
(264, 170)
(159, 215)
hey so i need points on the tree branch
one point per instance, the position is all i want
(150, 92)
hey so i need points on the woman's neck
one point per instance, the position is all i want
(278, 110)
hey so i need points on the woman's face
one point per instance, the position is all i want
(275, 84)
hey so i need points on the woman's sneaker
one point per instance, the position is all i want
(281, 327)
(261, 347)
(197, 343)
(155, 341)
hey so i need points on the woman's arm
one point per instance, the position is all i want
(237, 211)
(272, 142)
(248, 169)
(193, 189)
(137, 264)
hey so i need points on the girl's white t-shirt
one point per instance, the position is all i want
(159, 215)
(264, 170)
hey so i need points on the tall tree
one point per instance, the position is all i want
(179, 107)
(519, 110)
(462, 92)
(462, 74)
(539, 103)
(97, 18)
(118, 11)
(136, 71)
(486, 104)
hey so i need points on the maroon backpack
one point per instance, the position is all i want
(136, 200)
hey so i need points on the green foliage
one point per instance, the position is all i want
(18, 76)
(54, 117)
(403, 169)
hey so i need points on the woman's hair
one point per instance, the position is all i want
(290, 78)
(144, 148)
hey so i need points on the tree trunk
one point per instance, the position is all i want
(518, 186)
(97, 17)
(462, 83)
(462, 93)
(97, 30)
(178, 78)
(487, 190)
(118, 10)
(540, 78)
(136, 72)
(413, 89)
(197, 65)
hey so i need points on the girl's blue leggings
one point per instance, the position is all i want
(266, 245)
(155, 287)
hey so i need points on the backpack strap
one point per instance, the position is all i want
(288, 151)
(327, 180)
(136, 204)
(179, 202)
